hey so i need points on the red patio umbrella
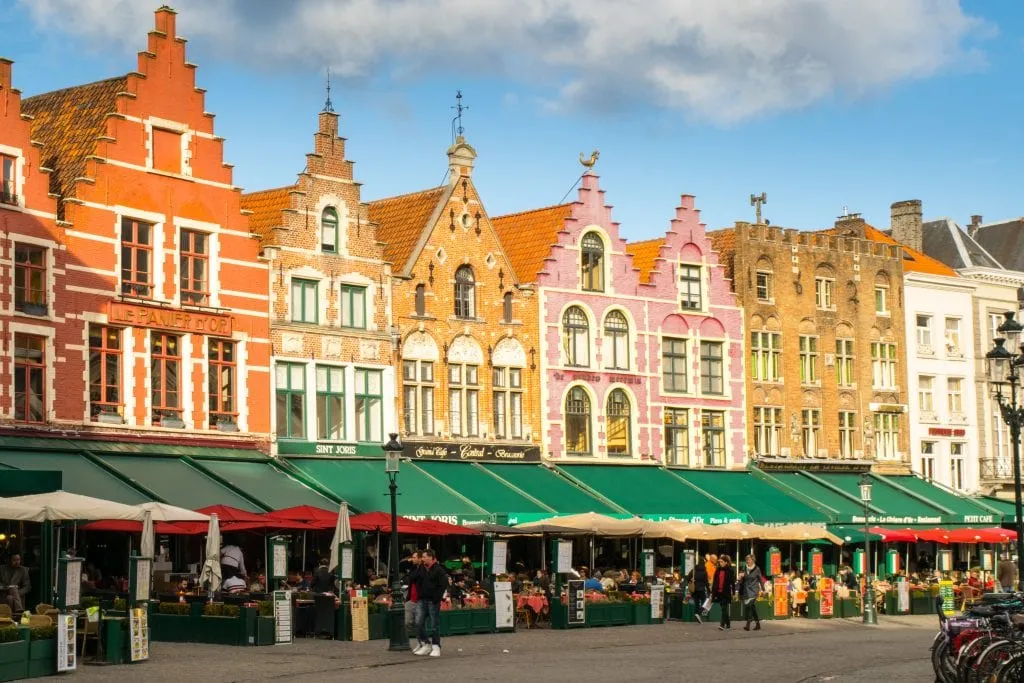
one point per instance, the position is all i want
(988, 535)
(226, 513)
(314, 516)
(269, 522)
(895, 535)
(935, 535)
(128, 526)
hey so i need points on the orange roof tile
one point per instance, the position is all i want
(402, 220)
(528, 236)
(266, 207)
(68, 122)
(913, 260)
(644, 254)
(724, 243)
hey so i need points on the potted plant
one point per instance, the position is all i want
(171, 622)
(13, 654)
(42, 651)
(220, 625)
(265, 634)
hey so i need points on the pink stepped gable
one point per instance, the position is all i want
(641, 344)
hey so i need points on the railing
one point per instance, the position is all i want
(999, 469)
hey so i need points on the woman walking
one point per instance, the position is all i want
(751, 582)
(701, 586)
(722, 589)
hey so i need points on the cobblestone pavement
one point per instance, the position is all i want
(841, 651)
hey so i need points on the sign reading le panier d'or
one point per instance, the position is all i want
(171, 319)
(479, 452)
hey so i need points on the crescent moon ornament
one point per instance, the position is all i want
(589, 163)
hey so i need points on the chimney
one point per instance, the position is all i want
(460, 160)
(5, 73)
(972, 229)
(851, 225)
(906, 224)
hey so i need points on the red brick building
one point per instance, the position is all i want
(154, 317)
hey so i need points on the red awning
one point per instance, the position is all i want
(934, 535)
(988, 535)
(226, 513)
(894, 535)
(128, 526)
(269, 523)
(314, 516)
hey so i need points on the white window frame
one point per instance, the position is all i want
(824, 293)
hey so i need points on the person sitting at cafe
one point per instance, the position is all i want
(234, 584)
(14, 584)
(232, 561)
(591, 583)
(608, 582)
(323, 580)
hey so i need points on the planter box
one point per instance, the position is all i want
(456, 622)
(847, 608)
(609, 614)
(678, 608)
(14, 660)
(42, 657)
(221, 631)
(922, 604)
(265, 628)
(482, 620)
(343, 621)
(170, 628)
(641, 614)
(379, 626)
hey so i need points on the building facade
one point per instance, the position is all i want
(165, 325)
(468, 380)
(333, 373)
(996, 291)
(640, 345)
(826, 342)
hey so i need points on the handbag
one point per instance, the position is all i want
(706, 606)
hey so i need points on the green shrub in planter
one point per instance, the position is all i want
(178, 608)
(121, 605)
(14, 649)
(10, 634)
(266, 608)
(90, 601)
(44, 632)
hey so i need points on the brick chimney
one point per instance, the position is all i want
(906, 223)
(5, 73)
(972, 229)
(460, 160)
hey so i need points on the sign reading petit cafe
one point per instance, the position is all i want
(171, 319)
(480, 452)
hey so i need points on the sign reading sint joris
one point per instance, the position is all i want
(479, 452)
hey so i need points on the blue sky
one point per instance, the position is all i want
(821, 105)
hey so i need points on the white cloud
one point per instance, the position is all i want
(719, 60)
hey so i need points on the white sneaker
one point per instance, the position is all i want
(435, 650)
(423, 649)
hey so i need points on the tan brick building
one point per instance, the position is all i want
(330, 324)
(468, 375)
(826, 370)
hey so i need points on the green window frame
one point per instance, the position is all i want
(330, 403)
(305, 301)
(290, 395)
(353, 306)
(369, 395)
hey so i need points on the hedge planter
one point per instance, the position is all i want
(170, 628)
(14, 659)
(456, 622)
(609, 613)
(641, 613)
(922, 604)
(483, 620)
(265, 630)
(42, 657)
(847, 608)
(379, 625)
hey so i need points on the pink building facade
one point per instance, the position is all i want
(641, 345)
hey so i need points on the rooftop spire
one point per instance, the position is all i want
(457, 129)
(328, 106)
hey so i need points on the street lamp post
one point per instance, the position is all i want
(396, 613)
(1004, 369)
(869, 587)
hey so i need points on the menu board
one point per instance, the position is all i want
(577, 602)
(143, 578)
(564, 558)
(780, 593)
(903, 596)
(948, 603)
(66, 636)
(72, 583)
(499, 557)
(817, 560)
(346, 562)
(360, 619)
(648, 563)
(504, 612)
(826, 597)
(282, 617)
(774, 563)
(689, 561)
(279, 561)
(138, 632)
(657, 601)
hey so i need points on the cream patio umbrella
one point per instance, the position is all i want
(591, 522)
(22, 512)
(342, 534)
(162, 512)
(148, 545)
(64, 506)
(800, 532)
(211, 565)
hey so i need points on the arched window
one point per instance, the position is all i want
(465, 299)
(618, 427)
(592, 260)
(576, 337)
(616, 334)
(577, 423)
(421, 300)
(329, 230)
(507, 307)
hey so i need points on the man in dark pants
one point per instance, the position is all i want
(701, 589)
(412, 600)
(432, 587)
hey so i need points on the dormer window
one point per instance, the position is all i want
(690, 287)
(329, 231)
(592, 260)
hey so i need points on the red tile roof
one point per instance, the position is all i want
(68, 122)
(402, 220)
(913, 260)
(644, 255)
(528, 236)
(724, 243)
(266, 207)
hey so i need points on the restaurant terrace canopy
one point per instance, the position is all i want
(63, 506)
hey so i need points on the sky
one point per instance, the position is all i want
(826, 106)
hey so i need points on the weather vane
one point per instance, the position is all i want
(589, 163)
(457, 121)
(328, 106)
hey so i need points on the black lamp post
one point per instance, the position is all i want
(869, 586)
(1003, 370)
(396, 614)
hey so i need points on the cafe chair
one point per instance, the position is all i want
(6, 616)
(39, 620)
(523, 616)
(89, 628)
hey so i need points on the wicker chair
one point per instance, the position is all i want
(37, 620)
(6, 616)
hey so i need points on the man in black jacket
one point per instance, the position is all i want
(432, 586)
(413, 616)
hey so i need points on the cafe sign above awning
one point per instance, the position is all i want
(169, 319)
(472, 452)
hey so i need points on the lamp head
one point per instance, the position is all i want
(998, 361)
(1010, 329)
(392, 453)
(865, 489)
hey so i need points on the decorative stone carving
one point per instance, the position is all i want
(331, 347)
(368, 350)
(291, 343)
(420, 346)
(465, 350)
(509, 353)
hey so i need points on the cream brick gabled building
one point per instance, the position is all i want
(330, 312)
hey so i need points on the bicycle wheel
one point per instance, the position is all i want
(1012, 670)
(989, 660)
(942, 661)
(968, 656)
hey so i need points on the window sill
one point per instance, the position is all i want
(816, 384)
(883, 314)
(459, 319)
(766, 302)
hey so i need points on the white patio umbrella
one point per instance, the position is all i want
(62, 505)
(148, 545)
(601, 525)
(15, 511)
(342, 534)
(211, 566)
(162, 512)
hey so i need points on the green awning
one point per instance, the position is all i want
(267, 483)
(748, 493)
(550, 488)
(481, 487)
(802, 484)
(363, 483)
(79, 474)
(1005, 507)
(852, 534)
(963, 510)
(651, 492)
(176, 482)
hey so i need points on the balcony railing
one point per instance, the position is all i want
(996, 469)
